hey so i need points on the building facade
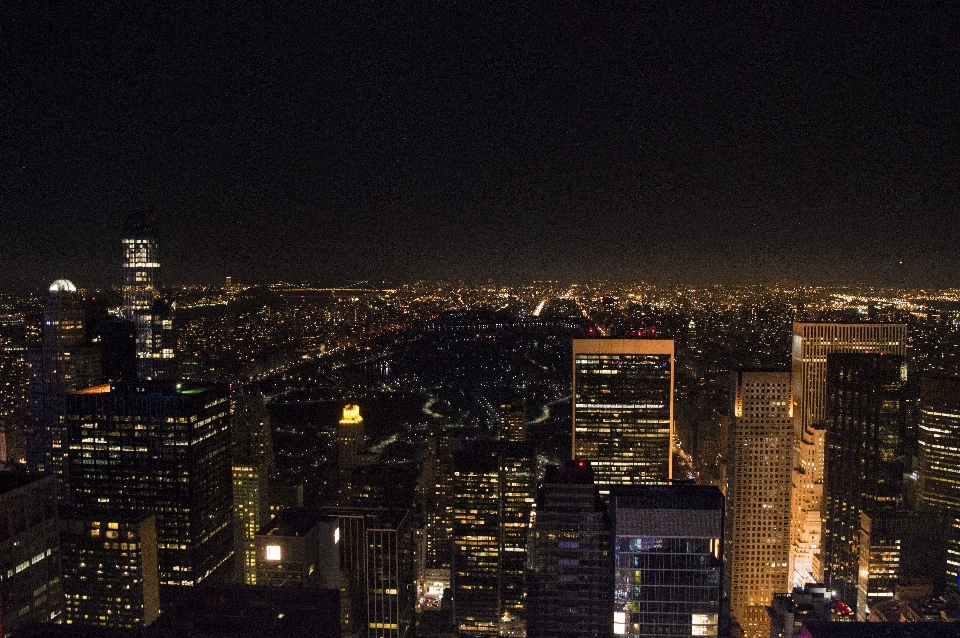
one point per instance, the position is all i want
(570, 573)
(252, 465)
(668, 560)
(31, 589)
(64, 361)
(940, 460)
(623, 409)
(759, 495)
(111, 577)
(864, 458)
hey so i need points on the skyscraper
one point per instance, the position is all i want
(64, 361)
(570, 574)
(513, 426)
(667, 560)
(476, 538)
(31, 589)
(152, 318)
(940, 460)
(623, 409)
(864, 459)
(111, 576)
(518, 484)
(759, 495)
(252, 465)
(494, 488)
(156, 447)
(812, 342)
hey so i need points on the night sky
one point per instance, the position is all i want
(342, 141)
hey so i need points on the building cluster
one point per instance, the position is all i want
(822, 489)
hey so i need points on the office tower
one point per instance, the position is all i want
(111, 577)
(30, 586)
(350, 445)
(518, 485)
(667, 560)
(389, 570)
(298, 547)
(881, 538)
(623, 409)
(570, 573)
(940, 460)
(376, 556)
(65, 361)
(493, 493)
(436, 488)
(476, 542)
(864, 457)
(162, 448)
(252, 465)
(759, 495)
(513, 421)
(141, 290)
(812, 342)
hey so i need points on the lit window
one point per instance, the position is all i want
(273, 552)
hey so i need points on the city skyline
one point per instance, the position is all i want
(346, 143)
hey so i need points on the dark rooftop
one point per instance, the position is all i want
(686, 497)
(296, 521)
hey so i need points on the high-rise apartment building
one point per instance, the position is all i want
(31, 588)
(111, 577)
(668, 560)
(494, 488)
(811, 343)
(376, 556)
(518, 486)
(152, 317)
(940, 460)
(64, 361)
(758, 496)
(623, 409)
(570, 574)
(251, 467)
(513, 421)
(864, 468)
(161, 448)
(476, 542)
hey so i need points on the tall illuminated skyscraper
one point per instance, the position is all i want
(152, 318)
(759, 495)
(940, 460)
(476, 542)
(623, 409)
(812, 342)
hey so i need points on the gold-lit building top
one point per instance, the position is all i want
(351, 415)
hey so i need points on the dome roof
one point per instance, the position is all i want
(63, 285)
